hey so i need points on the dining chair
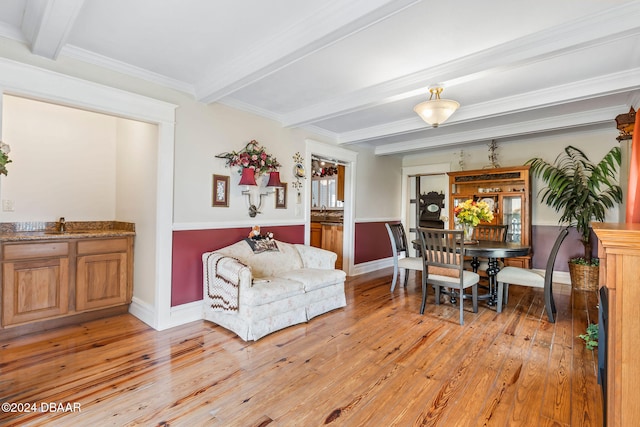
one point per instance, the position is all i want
(524, 277)
(496, 233)
(443, 253)
(399, 246)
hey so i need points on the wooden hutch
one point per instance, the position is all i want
(508, 191)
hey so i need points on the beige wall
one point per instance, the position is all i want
(595, 144)
(63, 162)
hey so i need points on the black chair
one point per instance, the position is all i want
(443, 253)
(399, 246)
(524, 277)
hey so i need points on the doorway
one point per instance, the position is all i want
(340, 237)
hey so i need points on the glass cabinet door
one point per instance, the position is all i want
(512, 216)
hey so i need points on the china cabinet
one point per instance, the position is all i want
(507, 191)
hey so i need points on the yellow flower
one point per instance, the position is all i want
(471, 212)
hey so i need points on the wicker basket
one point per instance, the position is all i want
(584, 277)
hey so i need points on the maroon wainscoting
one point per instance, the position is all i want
(371, 242)
(188, 247)
(544, 236)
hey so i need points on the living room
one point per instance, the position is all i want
(167, 289)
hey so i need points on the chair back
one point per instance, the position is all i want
(496, 233)
(548, 275)
(442, 248)
(398, 238)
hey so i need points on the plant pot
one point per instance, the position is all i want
(584, 277)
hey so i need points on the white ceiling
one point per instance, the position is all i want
(354, 69)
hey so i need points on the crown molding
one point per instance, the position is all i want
(250, 108)
(12, 33)
(615, 23)
(335, 21)
(72, 51)
(567, 121)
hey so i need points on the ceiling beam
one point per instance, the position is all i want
(46, 25)
(516, 129)
(331, 24)
(624, 81)
(596, 29)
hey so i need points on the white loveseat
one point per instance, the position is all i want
(275, 289)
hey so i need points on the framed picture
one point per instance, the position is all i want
(281, 196)
(220, 191)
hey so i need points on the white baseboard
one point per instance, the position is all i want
(368, 267)
(143, 311)
(180, 315)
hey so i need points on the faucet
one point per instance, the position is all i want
(323, 208)
(62, 225)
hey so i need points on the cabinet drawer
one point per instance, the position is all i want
(102, 246)
(35, 250)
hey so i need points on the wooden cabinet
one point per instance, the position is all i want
(619, 253)
(332, 241)
(35, 282)
(44, 280)
(316, 235)
(103, 271)
(340, 184)
(508, 190)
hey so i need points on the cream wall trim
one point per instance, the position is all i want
(350, 158)
(235, 224)
(388, 219)
(29, 81)
(368, 267)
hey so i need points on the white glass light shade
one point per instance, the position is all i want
(436, 111)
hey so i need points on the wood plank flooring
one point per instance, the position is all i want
(377, 362)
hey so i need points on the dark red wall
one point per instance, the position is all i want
(371, 242)
(188, 247)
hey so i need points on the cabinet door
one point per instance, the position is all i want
(512, 216)
(34, 290)
(316, 235)
(332, 241)
(101, 281)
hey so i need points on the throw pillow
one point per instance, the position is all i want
(259, 246)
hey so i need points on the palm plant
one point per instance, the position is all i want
(580, 190)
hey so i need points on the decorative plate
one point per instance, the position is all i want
(298, 170)
(489, 201)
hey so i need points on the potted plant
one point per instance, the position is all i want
(582, 192)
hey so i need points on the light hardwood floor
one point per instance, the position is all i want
(377, 362)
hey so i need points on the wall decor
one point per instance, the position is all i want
(299, 172)
(252, 156)
(281, 196)
(220, 191)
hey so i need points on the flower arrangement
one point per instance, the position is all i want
(471, 212)
(251, 156)
(5, 149)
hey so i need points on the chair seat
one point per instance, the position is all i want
(469, 278)
(411, 263)
(520, 276)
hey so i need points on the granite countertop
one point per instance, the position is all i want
(26, 231)
(329, 217)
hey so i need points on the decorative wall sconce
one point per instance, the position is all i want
(248, 178)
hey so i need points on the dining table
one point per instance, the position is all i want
(493, 251)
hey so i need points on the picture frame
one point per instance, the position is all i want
(281, 196)
(220, 193)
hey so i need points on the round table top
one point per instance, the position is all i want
(493, 249)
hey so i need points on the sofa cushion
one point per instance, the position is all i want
(265, 264)
(268, 289)
(315, 278)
